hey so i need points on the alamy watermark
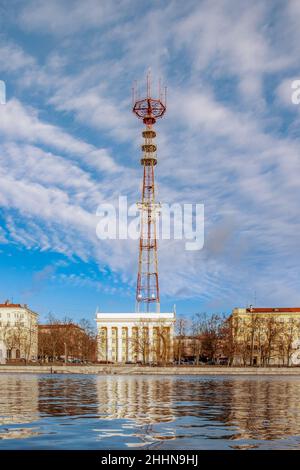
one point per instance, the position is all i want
(2, 92)
(175, 221)
(295, 97)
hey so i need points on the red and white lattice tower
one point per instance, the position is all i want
(147, 292)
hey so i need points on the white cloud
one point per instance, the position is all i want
(3, 239)
(22, 123)
(93, 107)
(231, 38)
(13, 58)
(216, 146)
(64, 17)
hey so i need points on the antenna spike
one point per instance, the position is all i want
(149, 83)
(133, 94)
(159, 89)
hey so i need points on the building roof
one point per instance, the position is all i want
(135, 316)
(59, 325)
(272, 309)
(9, 305)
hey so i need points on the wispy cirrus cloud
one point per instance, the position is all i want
(229, 139)
(63, 17)
(21, 122)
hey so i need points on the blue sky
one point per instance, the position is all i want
(230, 140)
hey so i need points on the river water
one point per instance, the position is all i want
(149, 412)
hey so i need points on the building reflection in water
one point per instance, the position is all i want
(68, 395)
(141, 402)
(153, 411)
(184, 408)
(18, 406)
(252, 408)
(265, 410)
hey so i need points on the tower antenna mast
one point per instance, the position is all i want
(147, 290)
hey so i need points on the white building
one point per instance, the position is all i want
(134, 337)
(18, 332)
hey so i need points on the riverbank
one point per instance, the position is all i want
(144, 370)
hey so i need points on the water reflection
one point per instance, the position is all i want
(265, 409)
(119, 412)
(143, 402)
(18, 405)
(67, 395)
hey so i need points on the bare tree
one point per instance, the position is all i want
(140, 342)
(88, 341)
(229, 338)
(181, 324)
(162, 345)
(51, 339)
(272, 330)
(30, 338)
(208, 330)
(8, 338)
(290, 334)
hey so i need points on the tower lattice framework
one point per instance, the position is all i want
(147, 292)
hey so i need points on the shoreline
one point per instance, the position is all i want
(146, 370)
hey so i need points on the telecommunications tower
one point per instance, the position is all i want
(147, 291)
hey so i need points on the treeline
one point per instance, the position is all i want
(66, 340)
(255, 340)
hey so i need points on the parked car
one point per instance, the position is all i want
(210, 363)
(223, 361)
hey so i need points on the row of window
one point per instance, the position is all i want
(11, 315)
(8, 323)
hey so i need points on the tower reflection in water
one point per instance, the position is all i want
(144, 406)
(18, 406)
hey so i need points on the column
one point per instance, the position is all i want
(150, 343)
(140, 339)
(171, 333)
(120, 344)
(129, 343)
(109, 343)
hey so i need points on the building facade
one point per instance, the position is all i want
(65, 342)
(135, 337)
(266, 336)
(18, 333)
(187, 348)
